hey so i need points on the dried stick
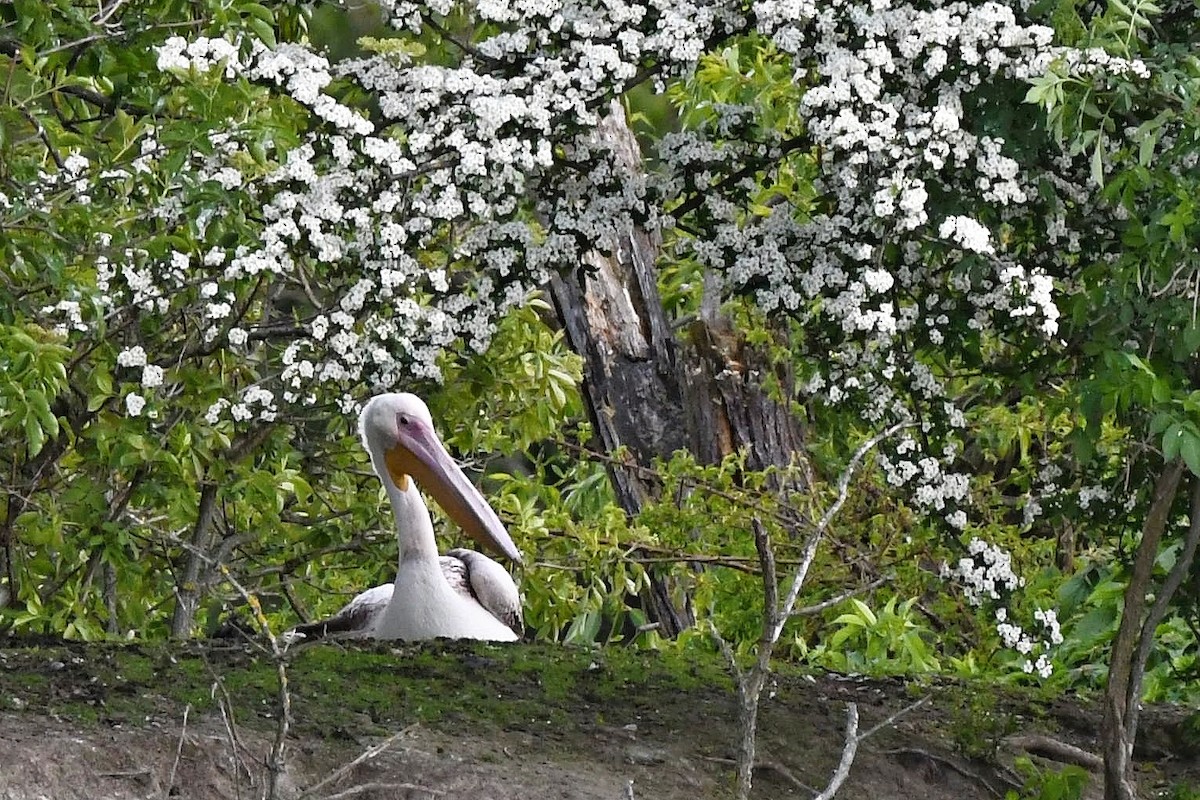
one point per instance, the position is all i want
(276, 763)
(750, 682)
(383, 787)
(1048, 747)
(363, 757)
(178, 752)
(848, 751)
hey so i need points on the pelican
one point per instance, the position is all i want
(461, 595)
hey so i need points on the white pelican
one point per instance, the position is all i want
(462, 595)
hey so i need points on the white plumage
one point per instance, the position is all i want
(462, 595)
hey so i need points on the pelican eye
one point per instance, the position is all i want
(404, 420)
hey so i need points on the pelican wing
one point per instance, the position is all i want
(475, 575)
(356, 620)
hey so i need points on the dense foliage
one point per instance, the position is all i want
(215, 242)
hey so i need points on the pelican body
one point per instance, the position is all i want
(463, 595)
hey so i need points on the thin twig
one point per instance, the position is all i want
(959, 768)
(382, 787)
(786, 773)
(102, 16)
(747, 498)
(766, 763)
(225, 704)
(805, 611)
(848, 751)
(365, 756)
(45, 137)
(276, 763)
(729, 562)
(810, 547)
(887, 722)
(178, 752)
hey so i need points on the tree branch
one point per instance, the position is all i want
(1162, 600)
(1118, 741)
(848, 751)
(810, 548)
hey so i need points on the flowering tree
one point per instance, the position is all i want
(217, 242)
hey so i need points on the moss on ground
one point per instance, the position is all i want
(563, 697)
(349, 689)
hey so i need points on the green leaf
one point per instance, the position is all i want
(35, 437)
(584, 628)
(1161, 421)
(263, 30)
(1120, 8)
(1171, 441)
(1098, 162)
(1189, 449)
(258, 11)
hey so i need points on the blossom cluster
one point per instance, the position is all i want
(1024, 642)
(984, 573)
(200, 54)
(447, 158)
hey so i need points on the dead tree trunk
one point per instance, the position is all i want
(654, 393)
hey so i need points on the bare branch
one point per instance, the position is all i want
(848, 751)
(178, 752)
(817, 608)
(276, 763)
(810, 548)
(382, 787)
(1047, 747)
(365, 756)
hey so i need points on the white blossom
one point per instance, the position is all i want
(152, 376)
(134, 403)
(132, 357)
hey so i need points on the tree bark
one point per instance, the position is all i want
(1121, 693)
(653, 394)
(187, 587)
(200, 557)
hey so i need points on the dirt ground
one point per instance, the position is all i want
(482, 721)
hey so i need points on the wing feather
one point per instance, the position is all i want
(489, 583)
(356, 620)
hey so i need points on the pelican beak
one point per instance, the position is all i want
(421, 454)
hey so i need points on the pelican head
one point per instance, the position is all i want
(397, 430)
